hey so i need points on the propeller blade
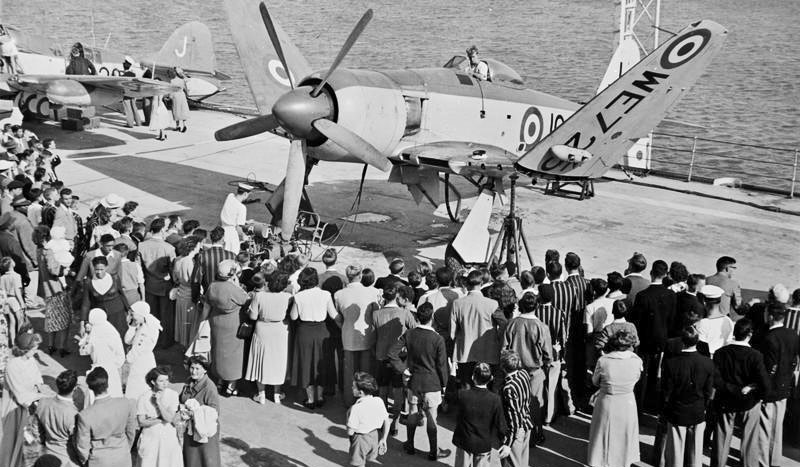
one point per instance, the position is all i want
(353, 144)
(293, 187)
(273, 37)
(351, 39)
(249, 127)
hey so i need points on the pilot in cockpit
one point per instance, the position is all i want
(477, 67)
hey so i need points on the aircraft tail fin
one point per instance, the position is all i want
(263, 69)
(591, 140)
(625, 57)
(189, 47)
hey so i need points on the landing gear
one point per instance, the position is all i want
(511, 238)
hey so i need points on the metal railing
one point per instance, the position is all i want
(769, 169)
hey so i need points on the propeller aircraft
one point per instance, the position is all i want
(428, 124)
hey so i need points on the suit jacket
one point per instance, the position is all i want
(738, 366)
(481, 423)
(638, 283)
(688, 384)
(653, 314)
(9, 246)
(383, 282)
(104, 433)
(24, 229)
(426, 360)
(332, 281)
(780, 358)
(474, 330)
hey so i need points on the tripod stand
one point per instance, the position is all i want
(511, 237)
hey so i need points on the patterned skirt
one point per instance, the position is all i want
(57, 312)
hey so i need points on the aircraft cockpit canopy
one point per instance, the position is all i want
(500, 71)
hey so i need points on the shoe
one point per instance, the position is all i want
(439, 454)
(409, 448)
(393, 431)
(320, 403)
(309, 405)
(230, 392)
(51, 350)
(277, 398)
(183, 130)
(260, 398)
(64, 352)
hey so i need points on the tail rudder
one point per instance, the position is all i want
(263, 69)
(189, 47)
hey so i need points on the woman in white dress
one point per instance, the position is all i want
(160, 117)
(104, 346)
(157, 414)
(142, 336)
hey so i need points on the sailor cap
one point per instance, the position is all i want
(711, 291)
(245, 187)
(128, 59)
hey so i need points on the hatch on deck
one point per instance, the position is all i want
(500, 71)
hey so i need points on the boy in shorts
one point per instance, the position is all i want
(365, 418)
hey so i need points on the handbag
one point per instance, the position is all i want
(245, 330)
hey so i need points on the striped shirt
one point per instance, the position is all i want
(555, 320)
(565, 299)
(579, 285)
(517, 404)
(205, 268)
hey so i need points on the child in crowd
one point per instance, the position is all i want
(11, 293)
(365, 419)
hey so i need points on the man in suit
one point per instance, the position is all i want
(473, 328)
(426, 369)
(741, 381)
(635, 273)
(687, 302)
(333, 281)
(653, 314)
(732, 298)
(500, 291)
(688, 384)
(105, 430)
(481, 423)
(780, 349)
(157, 256)
(57, 418)
(395, 269)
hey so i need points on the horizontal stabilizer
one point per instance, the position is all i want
(628, 108)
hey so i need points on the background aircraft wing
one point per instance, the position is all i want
(607, 126)
(128, 86)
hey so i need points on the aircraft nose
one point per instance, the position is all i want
(297, 110)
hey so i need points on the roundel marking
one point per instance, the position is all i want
(531, 130)
(685, 48)
(279, 73)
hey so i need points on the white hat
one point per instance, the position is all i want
(6, 164)
(245, 187)
(112, 201)
(780, 292)
(128, 59)
(711, 291)
(227, 268)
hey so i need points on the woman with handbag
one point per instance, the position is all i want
(57, 307)
(269, 348)
(142, 336)
(226, 300)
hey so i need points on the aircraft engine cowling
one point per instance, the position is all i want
(71, 92)
(367, 103)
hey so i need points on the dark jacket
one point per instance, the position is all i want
(426, 360)
(481, 423)
(688, 384)
(386, 281)
(653, 314)
(9, 246)
(684, 304)
(738, 366)
(780, 358)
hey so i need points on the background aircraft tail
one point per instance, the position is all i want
(262, 67)
(189, 47)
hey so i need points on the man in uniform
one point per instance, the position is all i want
(234, 216)
(132, 117)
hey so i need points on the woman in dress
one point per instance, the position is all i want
(614, 432)
(101, 223)
(160, 117)
(270, 345)
(104, 346)
(20, 393)
(142, 336)
(180, 106)
(57, 306)
(226, 300)
(310, 363)
(185, 315)
(104, 291)
(157, 414)
(201, 389)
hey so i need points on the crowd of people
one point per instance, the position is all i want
(506, 351)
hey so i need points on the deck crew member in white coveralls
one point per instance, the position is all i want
(234, 216)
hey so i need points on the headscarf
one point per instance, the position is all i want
(141, 311)
(227, 269)
(104, 337)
